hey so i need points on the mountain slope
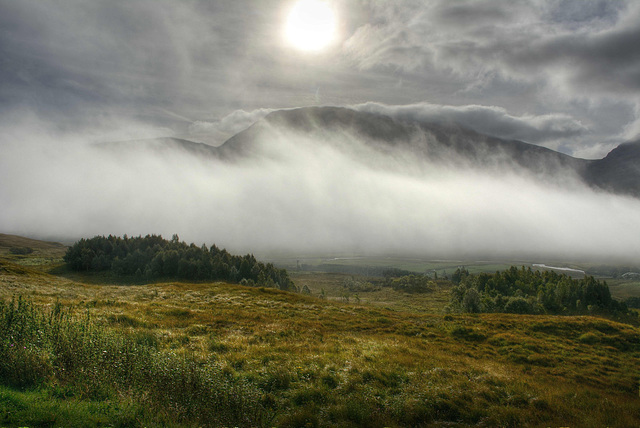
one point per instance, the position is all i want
(444, 143)
(166, 145)
(619, 172)
(9, 241)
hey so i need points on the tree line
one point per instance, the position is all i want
(527, 291)
(153, 257)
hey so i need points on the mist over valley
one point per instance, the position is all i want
(326, 180)
(319, 213)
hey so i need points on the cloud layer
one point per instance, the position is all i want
(563, 74)
(573, 63)
(489, 120)
(305, 195)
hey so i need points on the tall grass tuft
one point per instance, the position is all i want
(40, 346)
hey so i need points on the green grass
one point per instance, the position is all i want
(176, 350)
(442, 267)
(53, 349)
(49, 407)
(624, 288)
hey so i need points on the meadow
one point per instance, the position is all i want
(90, 350)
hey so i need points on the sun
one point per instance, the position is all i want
(311, 25)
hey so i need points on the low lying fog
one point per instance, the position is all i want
(304, 196)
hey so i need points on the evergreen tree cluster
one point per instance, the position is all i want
(154, 257)
(527, 291)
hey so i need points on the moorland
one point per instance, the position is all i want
(97, 348)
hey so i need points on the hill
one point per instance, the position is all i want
(619, 171)
(161, 146)
(219, 354)
(446, 142)
(440, 142)
(14, 241)
(19, 245)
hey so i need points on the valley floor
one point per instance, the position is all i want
(378, 358)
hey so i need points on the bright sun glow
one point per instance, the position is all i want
(311, 25)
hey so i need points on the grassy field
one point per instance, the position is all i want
(99, 353)
(624, 288)
(362, 263)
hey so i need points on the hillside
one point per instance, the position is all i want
(619, 171)
(161, 146)
(213, 354)
(10, 241)
(446, 143)
(429, 141)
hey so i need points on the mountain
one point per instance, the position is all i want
(434, 141)
(165, 145)
(15, 241)
(618, 172)
(429, 141)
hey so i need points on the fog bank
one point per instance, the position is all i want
(304, 195)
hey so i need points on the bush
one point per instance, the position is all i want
(413, 284)
(39, 345)
(518, 305)
(467, 334)
(21, 250)
(589, 338)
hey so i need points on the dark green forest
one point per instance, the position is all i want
(153, 257)
(526, 291)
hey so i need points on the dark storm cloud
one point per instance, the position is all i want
(572, 58)
(521, 40)
(172, 63)
(609, 61)
(130, 58)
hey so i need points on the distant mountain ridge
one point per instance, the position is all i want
(9, 241)
(432, 141)
(162, 145)
(618, 172)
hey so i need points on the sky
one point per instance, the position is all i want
(563, 74)
(560, 74)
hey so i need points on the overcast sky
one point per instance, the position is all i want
(564, 74)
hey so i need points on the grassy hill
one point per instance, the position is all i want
(8, 242)
(218, 354)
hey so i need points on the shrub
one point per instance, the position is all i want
(196, 330)
(589, 338)
(276, 380)
(21, 250)
(467, 333)
(310, 395)
(123, 320)
(518, 305)
(216, 347)
(330, 381)
(39, 344)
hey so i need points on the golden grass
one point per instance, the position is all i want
(391, 360)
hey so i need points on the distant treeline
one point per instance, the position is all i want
(154, 257)
(525, 291)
